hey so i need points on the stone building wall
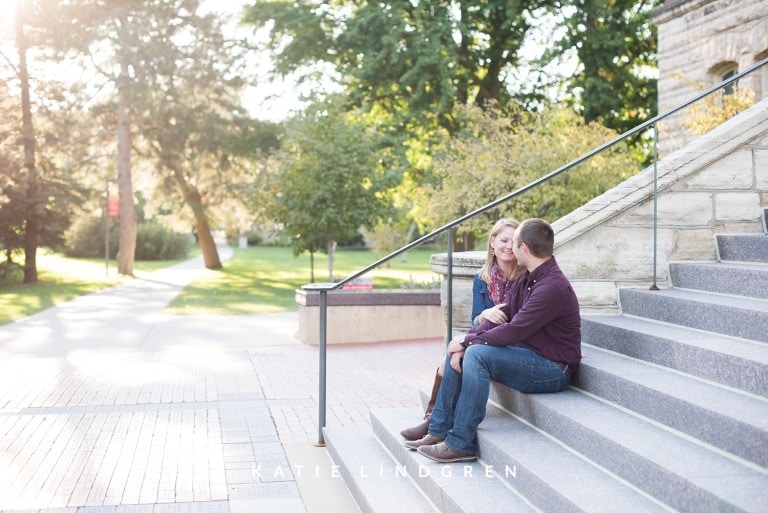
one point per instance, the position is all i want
(701, 41)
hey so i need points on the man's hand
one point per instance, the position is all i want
(495, 314)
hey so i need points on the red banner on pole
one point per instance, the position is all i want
(113, 206)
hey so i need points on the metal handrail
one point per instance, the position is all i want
(324, 288)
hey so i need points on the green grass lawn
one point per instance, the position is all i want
(264, 279)
(255, 280)
(61, 279)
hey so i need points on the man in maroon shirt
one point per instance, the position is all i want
(536, 351)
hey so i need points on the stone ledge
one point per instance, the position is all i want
(370, 297)
(371, 316)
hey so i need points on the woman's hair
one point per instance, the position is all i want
(490, 258)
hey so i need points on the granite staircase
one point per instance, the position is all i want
(668, 412)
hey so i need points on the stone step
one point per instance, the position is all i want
(674, 468)
(741, 279)
(469, 487)
(729, 361)
(729, 315)
(540, 473)
(743, 248)
(730, 420)
(371, 475)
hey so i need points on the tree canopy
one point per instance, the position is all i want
(331, 179)
(615, 45)
(166, 82)
(415, 58)
(434, 118)
(493, 155)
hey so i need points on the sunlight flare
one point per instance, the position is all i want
(7, 13)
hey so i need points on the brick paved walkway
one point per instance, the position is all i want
(107, 405)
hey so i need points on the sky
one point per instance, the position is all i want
(273, 99)
(6, 15)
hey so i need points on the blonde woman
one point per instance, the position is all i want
(489, 288)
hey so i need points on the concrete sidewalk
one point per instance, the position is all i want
(109, 405)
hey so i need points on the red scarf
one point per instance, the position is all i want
(499, 286)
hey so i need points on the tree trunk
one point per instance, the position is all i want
(194, 200)
(127, 250)
(32, 204)
(331, 251)
(204, 235)
(207, 244)
(468, 240)
(311, 266)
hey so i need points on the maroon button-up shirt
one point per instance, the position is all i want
(544, 316)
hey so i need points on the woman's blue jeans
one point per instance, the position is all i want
(461, 401)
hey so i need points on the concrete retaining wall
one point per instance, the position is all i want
(371, 316)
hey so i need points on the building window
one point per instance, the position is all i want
(729, 89)
(724, 71)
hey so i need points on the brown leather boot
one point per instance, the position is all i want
(420, 431)
(416, 432)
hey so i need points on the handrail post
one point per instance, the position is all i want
(449, 289)
(655, 199)
(323, 289)
(322, 370)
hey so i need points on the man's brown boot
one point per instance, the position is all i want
(427, 440)
(420, 431)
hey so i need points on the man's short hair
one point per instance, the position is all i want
(538, 235)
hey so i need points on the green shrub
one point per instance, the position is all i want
(156, 242)
(255, 239)
(10, 272)
(85, 239)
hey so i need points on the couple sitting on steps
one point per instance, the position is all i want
(526, 334)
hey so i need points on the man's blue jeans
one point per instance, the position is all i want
(460, 405)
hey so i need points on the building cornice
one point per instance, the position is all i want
(675, 8)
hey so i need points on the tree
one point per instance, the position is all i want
(32, 210)
(331, 180)
(59, 162)
(171, 81)
(127, 207)
(494, 154)
(191, 118)
(413, 63)
(36, 196)
(11, 194)
(414, 58)
(715, 109)
(615, 43)
(83, 26)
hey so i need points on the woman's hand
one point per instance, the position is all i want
(456, 361)
(456, 350)
(495, 314)
(454, 346)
